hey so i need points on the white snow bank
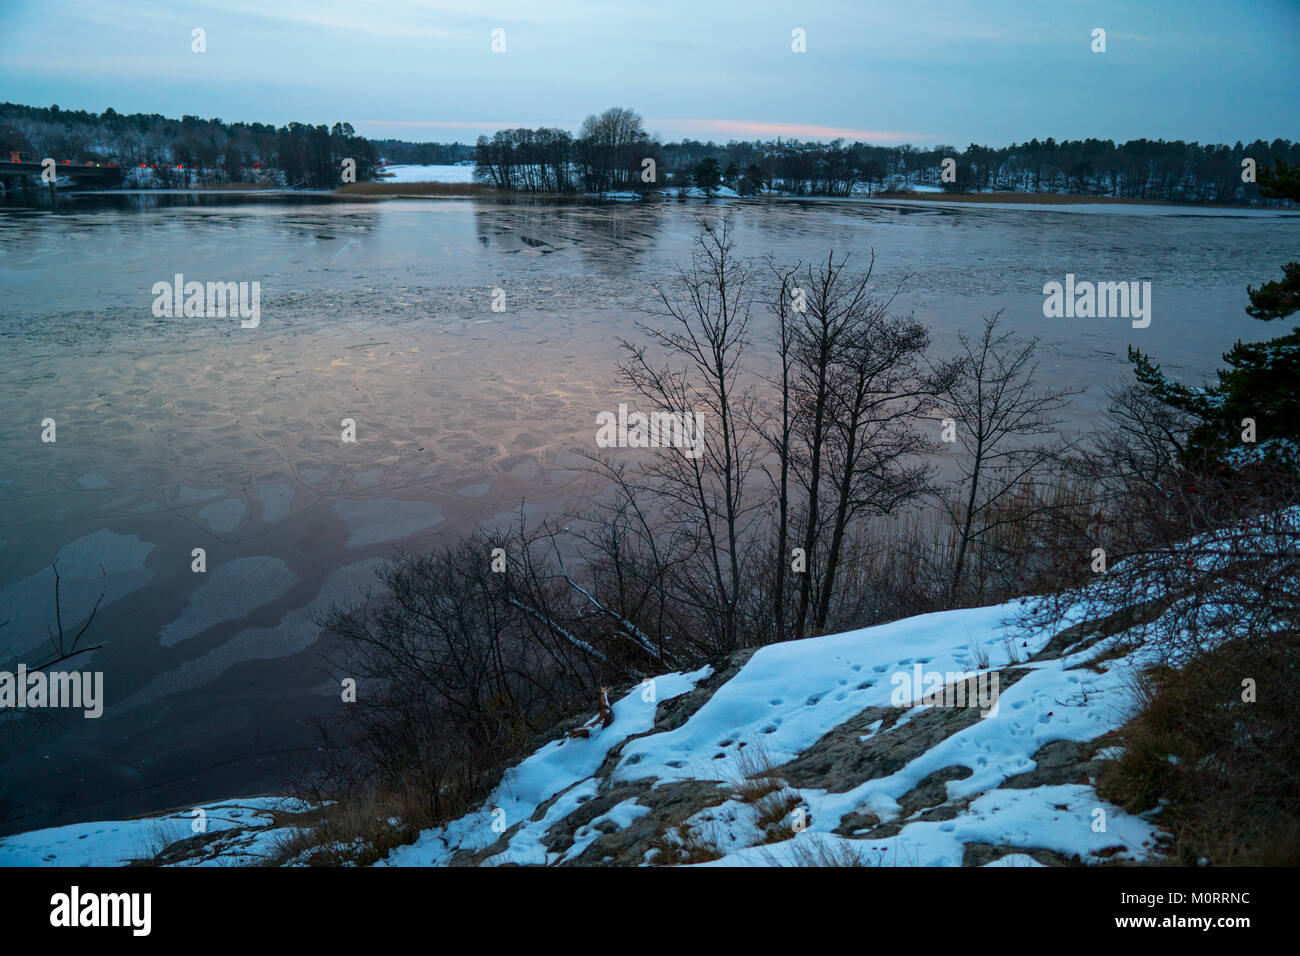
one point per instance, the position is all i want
(1063, 819)
(566, 766)
(118, 842)
(788, 695)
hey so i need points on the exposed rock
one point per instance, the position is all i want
(932, 791)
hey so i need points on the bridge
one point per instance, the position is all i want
(18, 174)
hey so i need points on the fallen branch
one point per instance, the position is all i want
(604, 718)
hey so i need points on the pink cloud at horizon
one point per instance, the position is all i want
(444, 124)
(738, 129)
(749, 129)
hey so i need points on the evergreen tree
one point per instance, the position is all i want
(707, 175)
(1262, 381)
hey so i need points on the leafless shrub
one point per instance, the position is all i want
(458, 666)
(1202, 566)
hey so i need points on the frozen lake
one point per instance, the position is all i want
(183, 433)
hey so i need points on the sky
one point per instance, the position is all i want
(927, 72)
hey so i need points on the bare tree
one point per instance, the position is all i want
(62, 648)
(856, 380)
(696, 369)
(608, 145)
(1145, 443)
(781, 302)
(465, 658)
(998, 419)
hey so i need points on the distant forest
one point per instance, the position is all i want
(1167, 170)
(293, 155)
(611, 150)
(610, 153)
(423, 154)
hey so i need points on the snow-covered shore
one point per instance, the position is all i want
(861, 761)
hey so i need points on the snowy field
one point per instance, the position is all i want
(429, 174)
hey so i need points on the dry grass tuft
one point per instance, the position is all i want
(822, 851)
(683, 843)
(1226, 770)
(755, 775)
(364, 826)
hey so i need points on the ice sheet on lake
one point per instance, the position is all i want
(231, 590)
(223, 516)
(373, 520)
(295, 632)
(275, 502)
(101, 561)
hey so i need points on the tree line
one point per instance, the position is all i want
(304, 155)
(613, 151)
(399, 151)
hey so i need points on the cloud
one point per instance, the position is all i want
(751, 129)
(394, 19)
(493, 125)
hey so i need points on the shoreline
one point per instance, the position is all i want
(379, 191)
(1046, 199)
